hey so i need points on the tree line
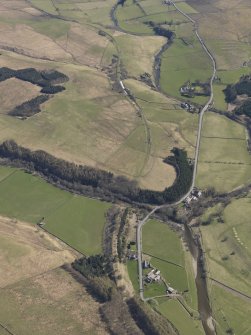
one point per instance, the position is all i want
(95, 182)
(33, 76)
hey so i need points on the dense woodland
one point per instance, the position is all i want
(160, 31)
(244, 109)
(30, 107)
(45, 79)
(99, 183)
(40, 78)
(242, 87)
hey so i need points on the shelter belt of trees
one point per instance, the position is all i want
(94, 182)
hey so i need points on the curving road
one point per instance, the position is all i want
(197, 149)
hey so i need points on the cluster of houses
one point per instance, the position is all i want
(187, 90)
(188, 107)
(193, 196)
(153, 276)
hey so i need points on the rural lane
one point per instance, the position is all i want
(197, 149)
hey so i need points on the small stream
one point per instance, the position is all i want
(157, 63)
(201, 284)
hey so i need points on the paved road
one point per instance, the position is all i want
(197, 149)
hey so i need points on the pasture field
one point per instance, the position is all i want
(80, 223)
(168, 254)
(128, 16)
(182, 63)
(132, 268)
(186, 8)
(226, 77)
(224, 161)
(230, 312)
(179, 317)
(171, 126)
(227, 246)
(137, 53)
(77, 220)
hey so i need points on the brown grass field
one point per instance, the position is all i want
(36, 295)
(21, 91)
(29, 249)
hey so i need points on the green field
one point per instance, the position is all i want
(227, 246)
(186, 8)
(167, 254)
(224, 161)
(179, 317)
(132, 268)
(141, 50)
(230, 312)
(171, 125)
(77, 220)
(184, 62)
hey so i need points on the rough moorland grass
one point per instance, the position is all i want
(50, 303)
(45, 5)
(227, 246)
(181, 63)
(224, 162)
(179, 317)
(76, 220)
(229, 54)
(230, 312)
(219, 97)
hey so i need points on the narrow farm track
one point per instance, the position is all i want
(6, 329)
(204, 109)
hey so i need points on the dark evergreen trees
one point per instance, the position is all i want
(100, 183)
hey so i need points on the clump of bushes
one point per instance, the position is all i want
(30, 107)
